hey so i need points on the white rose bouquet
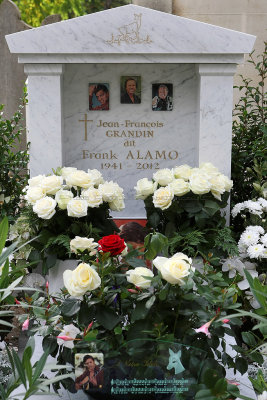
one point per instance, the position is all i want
(67, 204)
(185, 199)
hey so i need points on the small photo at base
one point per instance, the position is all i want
(98, 96)
(89, 372)
(162, 99)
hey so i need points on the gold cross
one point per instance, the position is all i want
(85, 120)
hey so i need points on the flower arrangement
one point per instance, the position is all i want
(185, 200)
(66, 204)
(149, 323)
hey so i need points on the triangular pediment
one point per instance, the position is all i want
(130, 29)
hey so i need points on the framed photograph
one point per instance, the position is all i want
(162, 96)
(98, 96)
(130, 89)
(89, 372)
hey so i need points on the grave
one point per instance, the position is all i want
(124, 140)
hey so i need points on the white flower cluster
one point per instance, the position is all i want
(257, 207)
(178, 181)
(45, 193)
(253, 243)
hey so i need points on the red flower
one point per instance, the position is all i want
(112, 244)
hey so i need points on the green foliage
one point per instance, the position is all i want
(34, 11)
(193, 224)
(249, 150)
(13, 164)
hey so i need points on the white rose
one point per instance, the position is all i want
(163, 177)
(51, 184)
(209, 169)
(217, 186)
(95, 176)
(34, 193)
(174, 269)
(138, 276)
(82, 244)
(36, 180)
(228, 183)
(199, 183)
(69, 331)
(179, 187)
(110, 191)
(83, 279)
(79, 178)
(77, 207)
(93, 197)
(144, 188)
(45, 207)
(162, 197)
(118, 203)
(66, 171)
(183, 172)
(63, 197)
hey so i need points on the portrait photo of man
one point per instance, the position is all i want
(162, 99)
(98, 96)
(89, 371)
(130, 89)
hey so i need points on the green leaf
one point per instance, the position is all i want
(249, 338)
(70, 307)
(205, 394)
(241, 365)
(106, 317)
(3, 233)
(19, 368)
(220, 386)
(39, 366)
(140, 311)
(26, 362)
(150, 302)
(192, 206)
(154, 219)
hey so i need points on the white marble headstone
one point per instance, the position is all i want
(129, 141)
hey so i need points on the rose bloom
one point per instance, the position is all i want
(33, 194)
(45, 207)
(209, 169)
(118, 203)
(162, 197)
(110, 191)
(217, 186)
(163, 177)
(79, 178)
(112, 244)
(138, 276)
(81, 280)
(182, 172)
(95, 176)
(199, 183)
(82, 244)
(51, 184)
(228, 183)
(93, 197)
(179, 187)
(63, 197)
(36, 180)
(174, 269)
(66, 171)
(77, 207)
(144, 188)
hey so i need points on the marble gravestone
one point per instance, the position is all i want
(127, 142)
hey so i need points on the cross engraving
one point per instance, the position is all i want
(85, 120)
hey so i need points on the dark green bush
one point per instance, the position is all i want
(13, 164)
